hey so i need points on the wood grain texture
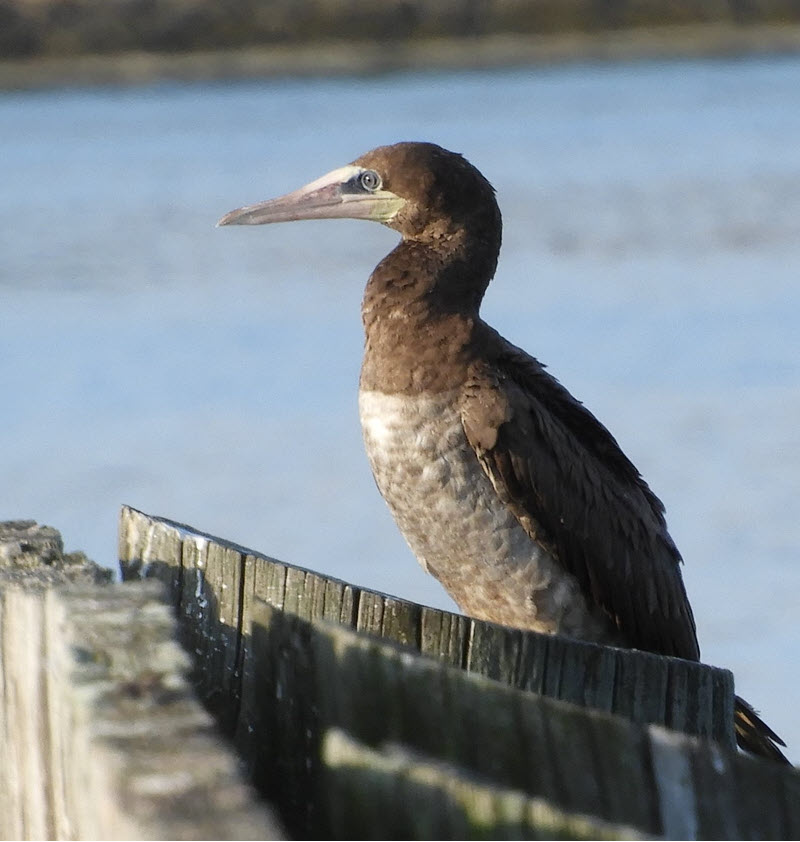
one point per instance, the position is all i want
(594, 738)
(691, 697)
(421, 798)
(101, 736)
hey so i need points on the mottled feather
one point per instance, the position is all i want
(574, 490)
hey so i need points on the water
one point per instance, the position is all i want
(652, 246)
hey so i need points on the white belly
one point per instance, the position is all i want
(455, 524)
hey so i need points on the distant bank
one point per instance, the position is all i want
(55, 42)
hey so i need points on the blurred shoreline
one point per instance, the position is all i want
(347, 57)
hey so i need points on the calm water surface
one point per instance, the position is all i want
(651, 258)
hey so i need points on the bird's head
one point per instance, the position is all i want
(420, 190)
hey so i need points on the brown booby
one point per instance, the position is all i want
(508, 490)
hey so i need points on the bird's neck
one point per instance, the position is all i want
(424, 279)
(419, 311)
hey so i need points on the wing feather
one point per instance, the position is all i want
(574, 491)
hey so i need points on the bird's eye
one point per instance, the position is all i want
(369, 180)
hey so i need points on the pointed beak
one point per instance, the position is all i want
(337, 195)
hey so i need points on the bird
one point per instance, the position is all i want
(507, 488)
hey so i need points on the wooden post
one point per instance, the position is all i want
(225, 579)
(311, 678)
(313, 658)
(101, 736)
(421, 798)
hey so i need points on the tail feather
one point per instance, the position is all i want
(754, 735)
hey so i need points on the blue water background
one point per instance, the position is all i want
(651, 258)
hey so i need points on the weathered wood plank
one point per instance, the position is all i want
(612, 745)
(641, 686)
(401, 622)
(711, 770)
(759, 817)
(444, 636)
(304, 678)
(281, 745)
(790, 799)
(419, 798)
(100, 734)
(172, 773)
(494, 651)
(674, 786)
(579, 761)
(23, 727)
(326, 677)
(221, 633)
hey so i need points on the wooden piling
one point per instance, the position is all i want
(632, 743)
(357, 714)
(226, 579)
(422, 798)
(101, 736)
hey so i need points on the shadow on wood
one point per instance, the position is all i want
(278, 643)
(683, 695)
(310, 679)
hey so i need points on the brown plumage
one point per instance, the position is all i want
(506, 487)
(565, 478)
